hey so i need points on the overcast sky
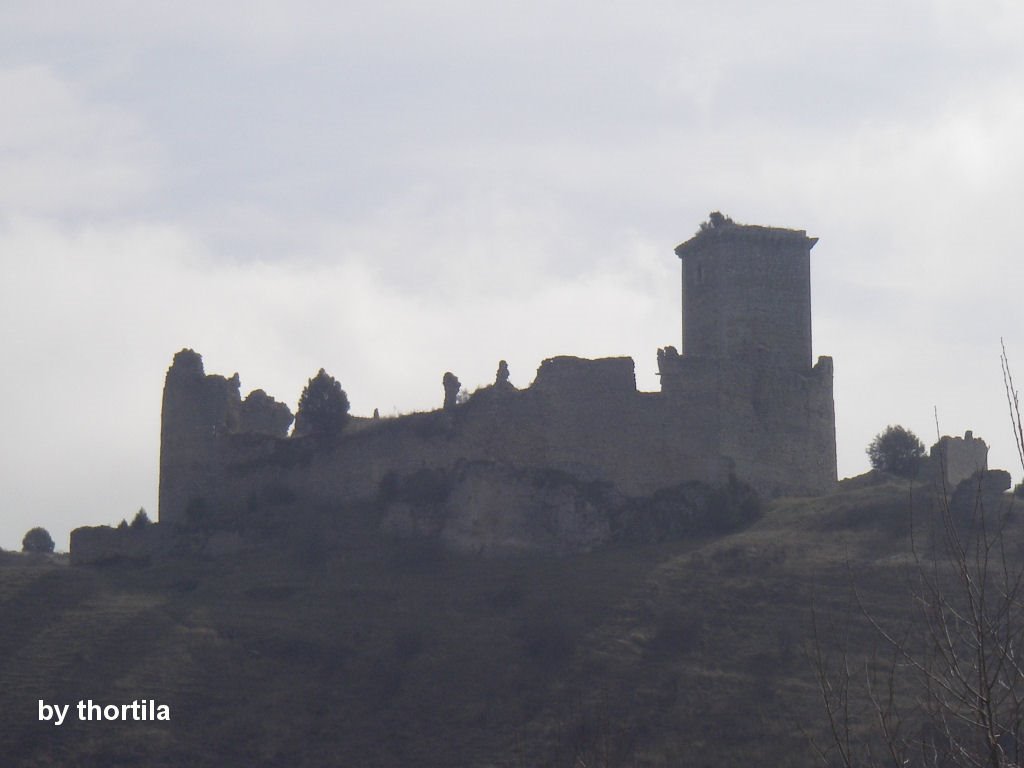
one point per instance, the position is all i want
(393, 190)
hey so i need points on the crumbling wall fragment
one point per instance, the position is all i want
(451, 385)
(958, 458)
(263, 415)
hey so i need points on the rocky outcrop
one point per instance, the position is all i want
(981, 494)
(495, 509)
(490, 508)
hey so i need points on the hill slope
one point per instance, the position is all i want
(338, 647)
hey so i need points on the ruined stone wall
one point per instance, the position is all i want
(262, 415)
(581, 417)
(199, 412)
(772, 427)
(778, 427)
(960, 457)
(102, 544)
(600, 427)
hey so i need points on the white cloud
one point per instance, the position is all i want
(61, 153)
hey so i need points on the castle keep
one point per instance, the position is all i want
(740, 399)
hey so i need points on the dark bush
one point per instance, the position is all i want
(323, 407)
(716, 220)
(896, 450)
(37, 540)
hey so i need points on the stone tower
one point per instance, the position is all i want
(199, 411)
(767, 414)
(747, 294)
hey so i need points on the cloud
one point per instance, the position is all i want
(62, 153)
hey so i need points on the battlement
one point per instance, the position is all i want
(609, 377)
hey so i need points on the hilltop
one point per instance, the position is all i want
(338, 645)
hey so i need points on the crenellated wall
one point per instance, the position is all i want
(581, 417)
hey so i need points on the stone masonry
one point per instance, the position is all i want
(960, 457)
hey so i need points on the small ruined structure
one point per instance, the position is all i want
(958, 458)
(741, 400)
(452, 385)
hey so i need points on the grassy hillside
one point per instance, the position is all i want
(337, 647)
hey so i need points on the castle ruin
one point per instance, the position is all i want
(958, 458)
(740, 400)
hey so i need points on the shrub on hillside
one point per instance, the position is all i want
(896, 450)
(323, 407)
(37, 540)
